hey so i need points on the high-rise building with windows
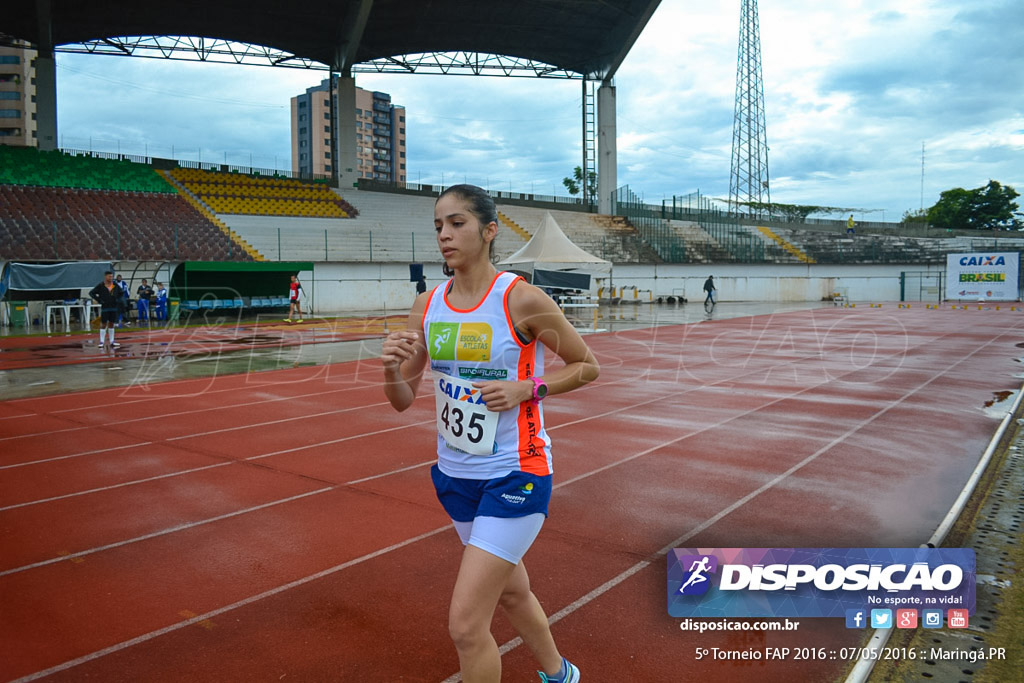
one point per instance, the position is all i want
(17, 97)
(379, 131)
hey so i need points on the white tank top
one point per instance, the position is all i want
(479, 344)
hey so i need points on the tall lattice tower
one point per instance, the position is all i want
(748, 181)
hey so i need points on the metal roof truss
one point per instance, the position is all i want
(187, 48)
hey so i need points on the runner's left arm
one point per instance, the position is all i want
(537, 316)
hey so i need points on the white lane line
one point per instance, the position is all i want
(227, 608)
(656, 399)
(509, 646)
(192, 470)
(191, 412)
(115, 486)
(161, 398)
(307, 416)
(561, 613)
(75, 455)
(341, 439)
(189, 525)
(643, 564)
(163, 532)
(418, 465)
(203, 410)
(283, 420)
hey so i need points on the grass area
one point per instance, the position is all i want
(1008, 630)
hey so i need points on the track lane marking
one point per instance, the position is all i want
(565, 611)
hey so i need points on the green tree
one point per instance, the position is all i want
(919, 216)
(985, 208)
(573, 184)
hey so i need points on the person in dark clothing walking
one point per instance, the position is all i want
(108, 294)
(709, 287)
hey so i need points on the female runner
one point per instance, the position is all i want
(479, 333)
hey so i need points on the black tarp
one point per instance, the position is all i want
(58, 276)
(560, 279)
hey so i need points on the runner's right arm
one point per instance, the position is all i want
(404, 356)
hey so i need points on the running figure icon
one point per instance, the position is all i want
(697, 571)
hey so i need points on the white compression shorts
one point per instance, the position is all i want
(506, 537)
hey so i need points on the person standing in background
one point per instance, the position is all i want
(145, 293)
(294, 305)
(122, 307)
(108, 294)
(161, 302)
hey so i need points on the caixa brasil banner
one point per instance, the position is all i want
(982, 277)
(817, 582)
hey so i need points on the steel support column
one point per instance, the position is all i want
(346, 161)
(607, 165)
(46, 81)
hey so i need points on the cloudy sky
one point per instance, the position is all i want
(853, 89)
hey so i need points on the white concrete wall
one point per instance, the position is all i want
(345, 287)
(769, 282)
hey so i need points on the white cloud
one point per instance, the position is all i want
(852, 89)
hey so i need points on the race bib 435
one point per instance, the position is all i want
(462, 418)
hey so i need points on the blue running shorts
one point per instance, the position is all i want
(501, 516)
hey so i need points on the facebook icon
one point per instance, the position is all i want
(856, 618)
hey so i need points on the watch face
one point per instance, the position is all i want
(541, 390)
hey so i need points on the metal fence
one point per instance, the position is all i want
(727, 240)
(563, 203)
(652, 224)
(159, 162)
(384, 246)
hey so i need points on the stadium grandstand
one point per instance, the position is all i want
(154, 217)
(235, 502)
(355, 238)
(63, 206)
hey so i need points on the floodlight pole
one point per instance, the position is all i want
(748, 178)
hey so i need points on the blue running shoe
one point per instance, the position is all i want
(572, 674)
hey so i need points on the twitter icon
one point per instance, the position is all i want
(881, 618)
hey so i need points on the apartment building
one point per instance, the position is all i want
(379, 131)
(17, 97)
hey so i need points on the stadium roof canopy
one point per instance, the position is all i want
(559, 38)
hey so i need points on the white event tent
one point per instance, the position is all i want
(551, 259)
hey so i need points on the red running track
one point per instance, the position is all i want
(153, 343)
(281, 525)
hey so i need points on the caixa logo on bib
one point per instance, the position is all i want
(816, 582)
